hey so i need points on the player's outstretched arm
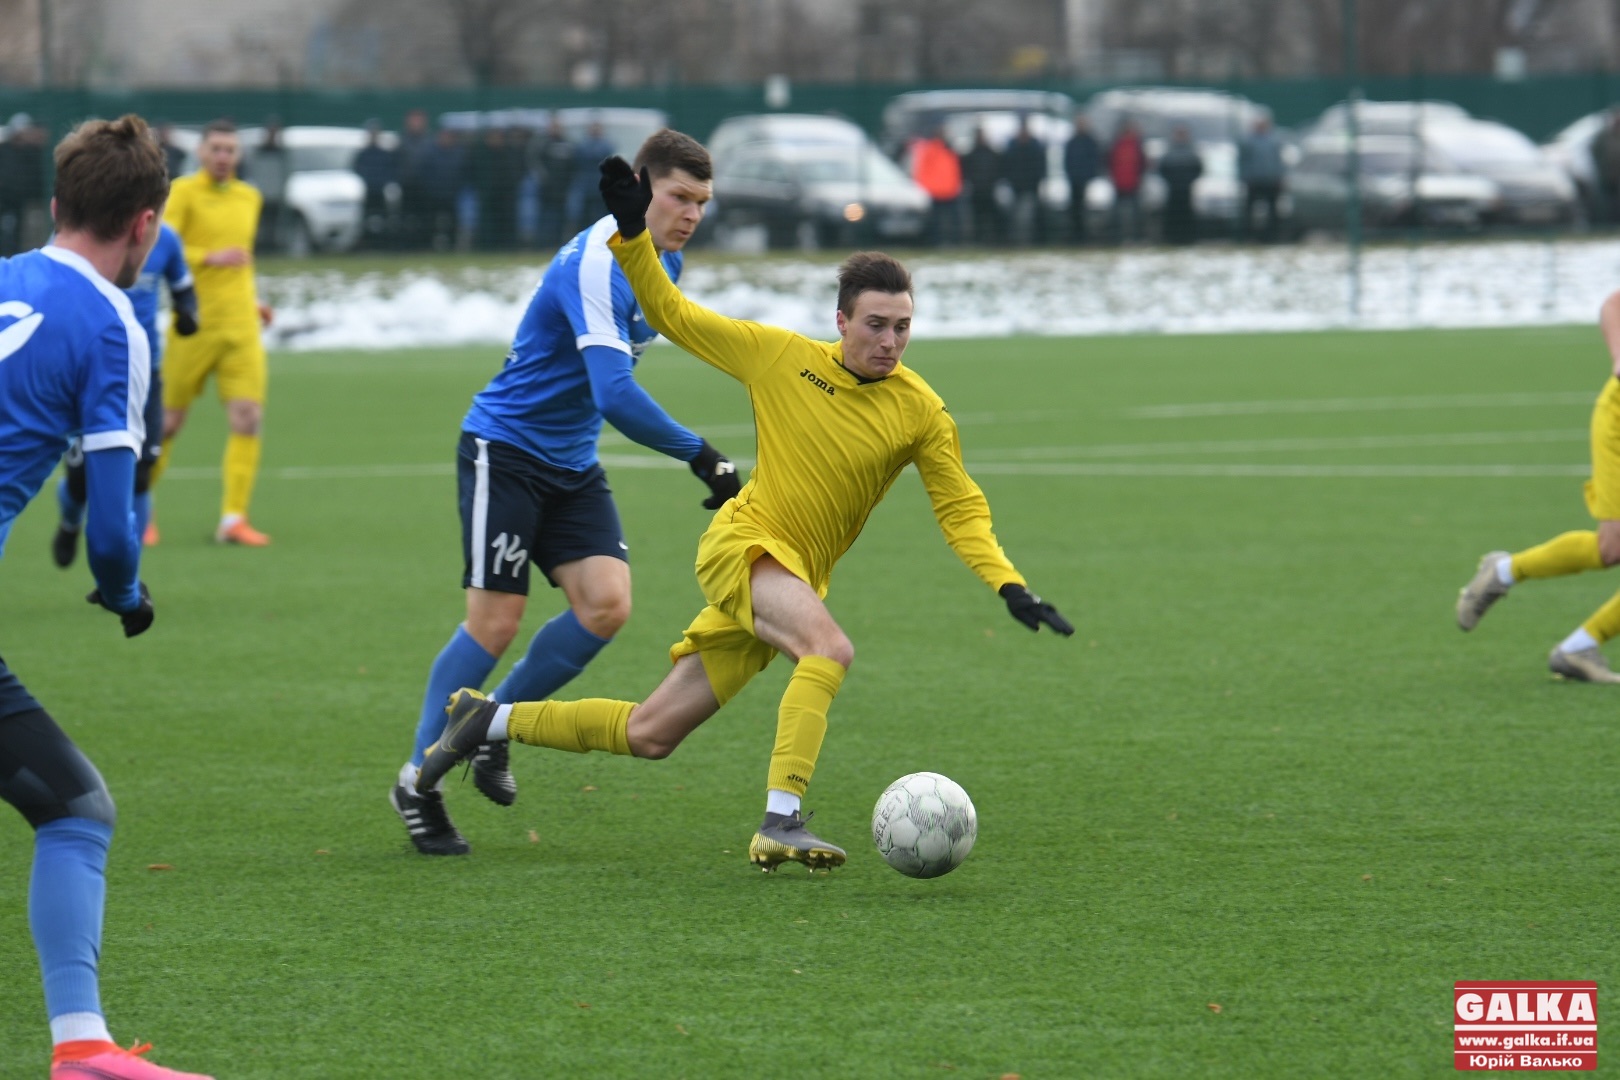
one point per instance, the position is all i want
(741, 349)
(1032, 611)
(632, 410)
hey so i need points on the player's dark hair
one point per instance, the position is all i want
(107, 172)
(667, 150)
(870, 271)
(223, 126)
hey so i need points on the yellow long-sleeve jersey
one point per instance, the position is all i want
(830, 445)
(211, 217)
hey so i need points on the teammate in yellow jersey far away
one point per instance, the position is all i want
(837, 422)
(217, 217)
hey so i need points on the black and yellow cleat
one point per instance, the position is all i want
(786, 838)
(468, 727)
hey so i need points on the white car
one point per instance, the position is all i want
(324, 201)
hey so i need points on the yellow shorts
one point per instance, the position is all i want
(1603, 490)
(723, 632)
(234, 356)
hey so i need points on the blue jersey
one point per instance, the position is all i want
(571, 361)
(167, 263)
(73, 361)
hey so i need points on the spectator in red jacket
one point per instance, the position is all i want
(938, 171)
(1127, 164)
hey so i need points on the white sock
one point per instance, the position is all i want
(79, 1026)
(497, 726)
(227, 520)
(1504, 571)
(780, 802)
(1577, 641)
(407, 778)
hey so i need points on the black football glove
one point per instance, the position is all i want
(1031, 610)
(136, 621)
(185, 312)
(715, 469)
(626, 194)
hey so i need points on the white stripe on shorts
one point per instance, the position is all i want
(480, 511)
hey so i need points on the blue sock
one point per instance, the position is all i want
(65, 900)
(463, 662)
(72, 509)
(143, 512)
(560, 650)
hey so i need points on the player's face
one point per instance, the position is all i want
(219, 154)
(875, 335)
(677, 206)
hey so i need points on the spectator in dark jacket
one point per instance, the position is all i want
(1606, 167)
(378, 168)
(444, 175)
(1261, 169)
(1181, 167)
(1127, 163)
(981, 172)
(23, 220)
(416, 210)
(173, 156)
(1023, 164)
(553, 161)
(1082, 159)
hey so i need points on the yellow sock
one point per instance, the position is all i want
(576, 726)
(1567, 554)
(160, 464)
(1605, 621)
(801, 722)
(241, 470)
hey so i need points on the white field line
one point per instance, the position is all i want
(1374, 404)
(1264, 446)
(1027, 461)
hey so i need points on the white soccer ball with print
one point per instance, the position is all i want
(924, 825)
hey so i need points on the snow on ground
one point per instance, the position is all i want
(1210, 289)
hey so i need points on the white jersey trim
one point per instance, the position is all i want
(596, 268)
(140, 353)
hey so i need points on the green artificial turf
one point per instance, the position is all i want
(1253, 820)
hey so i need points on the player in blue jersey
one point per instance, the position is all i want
(74, 362)
(166, 263)
(533, 492)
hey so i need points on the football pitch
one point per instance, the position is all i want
(1253, 820)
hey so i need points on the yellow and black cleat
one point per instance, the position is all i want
(785, 838)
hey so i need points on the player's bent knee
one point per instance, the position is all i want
(47, 777)
(604, 618)
(840, 650)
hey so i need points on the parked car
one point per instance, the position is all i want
(1571, 151)
(1399, 183)
(626, 128)
(324, 199)
(911, 116)
(810, 181)
(1530, 189)
(1216, 120)
(1388, 117)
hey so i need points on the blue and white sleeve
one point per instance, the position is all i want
(625, 405)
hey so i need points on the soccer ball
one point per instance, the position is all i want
(924, 825)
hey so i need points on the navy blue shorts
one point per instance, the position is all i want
(517, 510)
(14, 696)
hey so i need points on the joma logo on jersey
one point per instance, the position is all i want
(817, 381)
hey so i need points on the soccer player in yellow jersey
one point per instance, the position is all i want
(837, 421)
(217, 216)
(1579, 656)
